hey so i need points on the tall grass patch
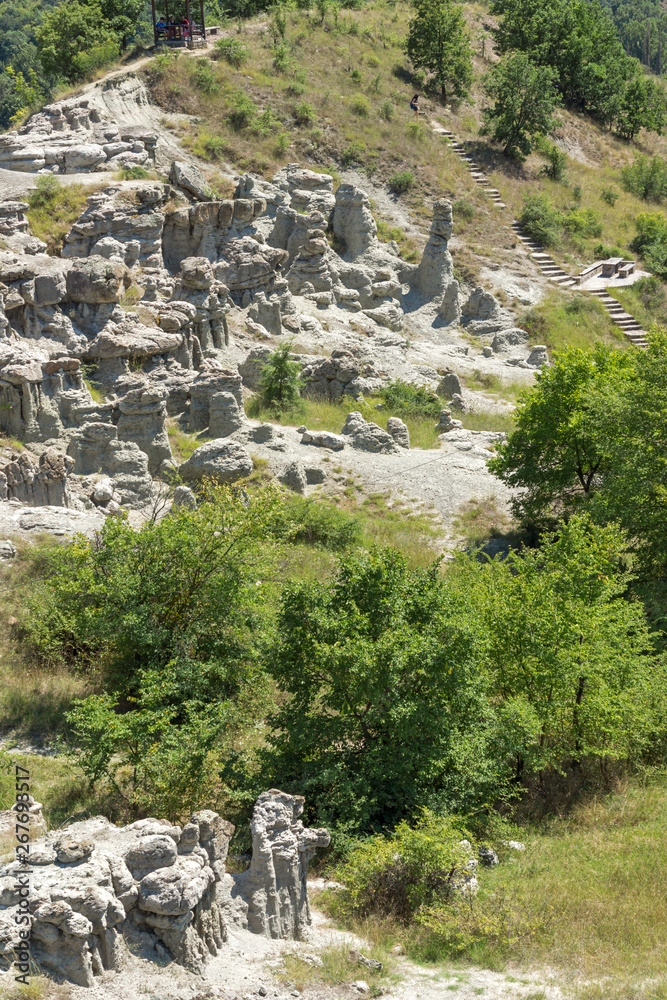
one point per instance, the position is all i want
(570, 320)
(53, 207)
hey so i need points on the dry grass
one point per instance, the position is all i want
(337, 969)
(593, 886)
(479, 520)
(357, 58)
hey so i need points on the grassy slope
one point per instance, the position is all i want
(583, 906)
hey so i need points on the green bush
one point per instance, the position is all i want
(242, 113)
(610, 195)
(386, 110)
(463, 209)
(232, 51)
(281, 58)
(401, 182)
(134, 173)
(403, 399)
(646, 178)
(317, 523)
(541, 220)
(651, 241)
(360, 105)
(582, 222)
(280, 383)
(396, 876)
(556, 159)
(304, 114)
(353, 155)
(204, 76)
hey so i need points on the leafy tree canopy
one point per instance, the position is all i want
(555, 456)
(438, 43)
(524, 101)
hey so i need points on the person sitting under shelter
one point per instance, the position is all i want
(161, 28)
(185, 24)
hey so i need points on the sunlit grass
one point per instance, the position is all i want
(571, 319)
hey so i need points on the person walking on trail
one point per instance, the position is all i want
(414, 105)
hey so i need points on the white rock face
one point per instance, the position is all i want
(158, 889)
(220, 459)
(271, 898)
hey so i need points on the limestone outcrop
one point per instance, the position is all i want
(157, 889)
(368, 436)
(271, 898)
(73, 136)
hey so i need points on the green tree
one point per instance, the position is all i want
(190, 591)
(524, 98)
(280, 383)
(631, 417)
(75, 38)
(651, 241)
(123, 17)
(643, 106)
(566, 647)
(555, 456)
(385, 708)
(438, 42)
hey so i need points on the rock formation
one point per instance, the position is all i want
(158, 889)
(271, 898)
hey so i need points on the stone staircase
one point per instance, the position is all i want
(621, 318)
(476, 172)
(548, 266)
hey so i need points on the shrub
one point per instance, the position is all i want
(651, 241)
(541, 220)
(396, 876)
(464, 210)
(353, 155)
(242, 113)
(360, 106)
(304, 114)
(281, 380)
(281, 59)
(406, 400)
(610, 195)
(386, 110)
(556, 159)
(266, 123)
(582, 222)
(133, 173)
(401, 182)
(647, 179)
(204, 76)
(232, 51)
(320, 523)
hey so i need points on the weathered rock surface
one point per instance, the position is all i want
(271, 898)
(221, 459)
(368, 436)
(73, 136)
(157, 889)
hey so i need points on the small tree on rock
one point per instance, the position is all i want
(438, 42)
(281, 380)
(524, 100)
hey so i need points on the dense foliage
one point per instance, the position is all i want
(592, 435)
(524, 101)
(438, 43)
(577, 39)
